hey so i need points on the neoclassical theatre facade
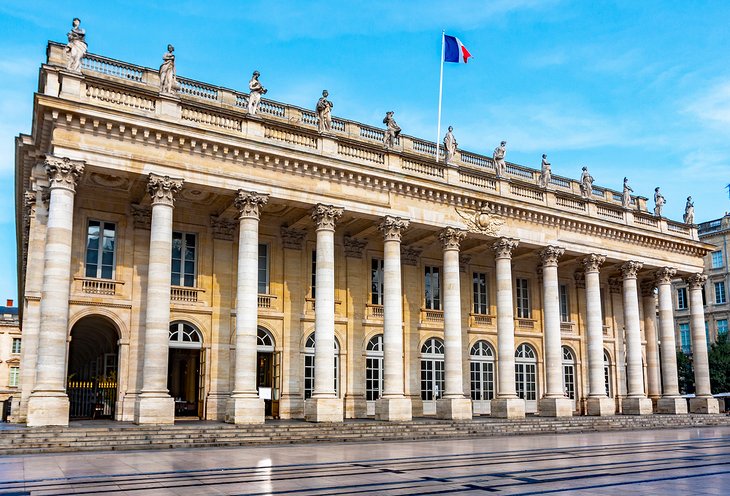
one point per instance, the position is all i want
(179, 256)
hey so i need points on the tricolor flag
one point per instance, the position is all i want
(454, 50)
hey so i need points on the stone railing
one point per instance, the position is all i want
(480, 320)
(525, 324)
(373, 312)
(95, 286)
(566, 327)
(432, 316)
(185, 294)
(311, 303)
(266, 301)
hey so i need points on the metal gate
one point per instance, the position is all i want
(92, 399)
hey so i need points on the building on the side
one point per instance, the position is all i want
(714, 292)
(184, 253)
(10, 349)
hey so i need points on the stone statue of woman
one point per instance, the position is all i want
(626, 197)
(255, 91)
(76, 47)
(586, 183)
(450, 145)
(392, 130)
(545, 172)
(168, 79)
(324, 112)
(500, 165)
(659, 202)
(689, 211)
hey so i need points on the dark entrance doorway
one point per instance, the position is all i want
(267, 372)
(92, 369)
(185, 369)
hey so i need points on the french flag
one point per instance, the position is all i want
(454, 50)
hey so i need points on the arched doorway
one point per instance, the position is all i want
(526, 376)
(309, 367)
(373, 372)
(268, 364)
(185, 369)
(432, 374)
(481, 371)
(569, 375)
(93, 357)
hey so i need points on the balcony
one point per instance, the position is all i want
(373, 312)
(266, 301)
(480, 320)
(185, 294)
(310, 305)
(94, 286)
(525, 324)
(429, 316)
(567, 327)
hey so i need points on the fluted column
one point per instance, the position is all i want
(324, 405)
(670, 402)
(506, 404)
(244, 405)
(648, 303)
(154, 404)
(703, 402)
(636, 403)
(48, 403)
(598, 401)
(392, 405)
(554, 403)
(454, 405)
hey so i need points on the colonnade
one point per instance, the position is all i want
(48, 403)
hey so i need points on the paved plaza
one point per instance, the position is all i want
(681, 461)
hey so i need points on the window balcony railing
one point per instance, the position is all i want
(525, 324)
(429, 316)
(567, 327)
(266, 300)
(96, 286)
(311, 304)
(373, 311)
(481, 320)
(185, 294)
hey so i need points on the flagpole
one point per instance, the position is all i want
(441, 89)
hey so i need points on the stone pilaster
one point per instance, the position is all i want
(154, 405)
(703, 402)
(670, 402)
(648, 303)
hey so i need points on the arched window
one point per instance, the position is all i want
(607, 373)
(309, 367)
(432, 369)
(374, 368)
(526, 372)
(481, 364)
(184, 335)
(264, 341)
(568, 372)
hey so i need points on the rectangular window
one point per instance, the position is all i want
(707, 334)
(184, 258)
(263, 269)
(314, 274)
(720, 296)
(16, 345)
(432, 288)
(721, 327)
(716, 259)
(481, 305)
(100, 242)
(14, 377)
(564, 303)
(684, 338)
(682, 299)
(376, 281)
(522, 292)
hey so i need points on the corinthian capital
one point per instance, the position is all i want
(647, 288)
(593, 262)
(249, 204)
(393, 227)
(503, 247)
(326, 216)
(451, 238)
(696, 281)
(162, 189)
(665, 275)
(63, 172)
(630, 269)
(550, 255)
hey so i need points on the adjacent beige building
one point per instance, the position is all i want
(10, 350)
(180, 257)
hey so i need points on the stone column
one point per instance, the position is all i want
(324, 405)
(598, 402)
(506, 404)
(636, 403)
(670, 402)
(393, 405)
(245, 406)
(554, 403)
(453, 405)
(648, 302)
(154, 403)
(48, 403)
(703, 402)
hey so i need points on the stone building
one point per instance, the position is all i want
(10, 348)
(179, 256)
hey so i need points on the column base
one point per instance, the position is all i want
(245, 410)
(555, 407)
(703, 404)
(215, 406)
(394, 409)
(600, 406)
(637, 406)
(509, 408)
(356, 406)
(323, 410)
(291, 407)
(454, 408)
(672, 406)
(46, 409)
(157, 409)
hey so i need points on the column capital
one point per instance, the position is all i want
(580, 279)
(696, 281)
(141, 217)
(63, 172)
(223, 229)
(326, 216)
(550, 255)
(292, 238)
(665, 275)
(355, 246)
(615, 285)
(393, 227)
(647, 288)
(410, 255)
(593, 262)
(162, 189)
(249, 204)
(451, 238)
(630, 269)
(504, 247)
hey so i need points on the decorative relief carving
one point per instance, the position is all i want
(451, 238)
(162, 189)
(630, 269)
(326, 216)
(539, 272)
(141, 217)
(63, 172)
(504, 247)
(29, 202)
(354, 247)
(580, 279)
(292, 238)
(696, 281)
(464, 260)
(482, 221)
(665, 275)
(593, 262)
(410, 256)
(647, 288)
(223, 229)
(249, 203)
(393, 227)
(550, 255)
(615, 285)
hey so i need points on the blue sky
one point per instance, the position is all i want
(628, 88)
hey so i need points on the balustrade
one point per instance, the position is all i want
(185, 294)
(99, 286)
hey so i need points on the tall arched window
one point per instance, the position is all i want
(309, 367)
(481, 364)
(569, 372)
(607, 373)
(184, 335)
(264, 341)
(374, 368)
(432, 369)
(526, 375)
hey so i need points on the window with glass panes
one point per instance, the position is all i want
(682, 299)
(568, 372)
(481, 365)
(721, 327)
(263, 269)
(376, 281)
(684, 338)
(607, 373)
(481, 304)
(707, 334)
(432, 287)
(374, 368)
(309, 367)
(16, 346)
(522, 293)
(184, 256)
(432, 369)
(100, 243)
(720, 295)
(564, 303)
(526, 373)
(14, 377)
(716, 259)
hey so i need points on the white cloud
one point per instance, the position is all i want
(712, 106)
